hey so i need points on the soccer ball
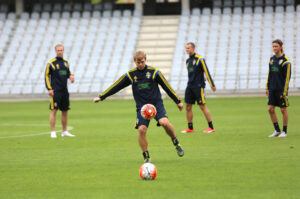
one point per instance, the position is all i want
(148, 111)
(148, 171)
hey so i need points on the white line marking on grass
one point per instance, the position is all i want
(21, 124)
(35, 134)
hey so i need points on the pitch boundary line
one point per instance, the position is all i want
(69, 128)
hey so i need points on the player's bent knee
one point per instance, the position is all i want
(142, 129)
(164, 122)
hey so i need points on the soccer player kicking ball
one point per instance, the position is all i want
(195, 88)
(277, 87)
(144, 81)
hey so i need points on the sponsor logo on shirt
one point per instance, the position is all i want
(63, 72)
(143, 85)
(190, 69)
(275, 68)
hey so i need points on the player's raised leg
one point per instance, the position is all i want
(271, 110)
(52, 122)
(207, 115)
(142, 139)
(164, 122)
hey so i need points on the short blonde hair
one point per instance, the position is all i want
(138, 55)
(192, 44)
(58, 45)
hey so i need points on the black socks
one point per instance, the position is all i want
(146, 155)
(285, 129)
(210, 125)
(276, 126)
(175, 141)
(190, 125)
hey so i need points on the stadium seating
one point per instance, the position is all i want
(237, 45)
(234, 37)
(96, 44)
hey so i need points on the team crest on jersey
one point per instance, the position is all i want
(57, 66)
(194, 62)
(271, 61)
(135, 78)
(148, 75)
(280, 61)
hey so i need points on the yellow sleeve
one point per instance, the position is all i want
(47, 77)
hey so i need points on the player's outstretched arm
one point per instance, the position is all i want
(121, 83)
(167, 88)
(96, 99)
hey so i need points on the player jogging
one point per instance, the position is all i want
(196, 67)
(277, 87)
(56, 79)
(144, 81)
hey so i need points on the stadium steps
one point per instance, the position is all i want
(158, 39)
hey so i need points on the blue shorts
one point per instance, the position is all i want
(160, 113)
(275, 100)
(60, 101)
(193, 95)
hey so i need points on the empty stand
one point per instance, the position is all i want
(236, 43)
(98, 45)
(234, 37)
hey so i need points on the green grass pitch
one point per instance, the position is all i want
(102, 161)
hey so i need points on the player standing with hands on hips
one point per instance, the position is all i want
(277, 87)
(56, 79)
(196, 67)
(144, 81)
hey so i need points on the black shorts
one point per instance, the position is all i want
(193, 95)
(60, 101)
(160, 113)
(275, 100)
